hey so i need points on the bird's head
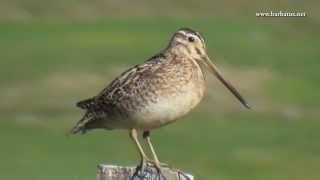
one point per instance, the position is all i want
(191, 43)
(188, 42)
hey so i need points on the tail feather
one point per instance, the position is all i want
(77, 130)
(81, 126)
(86, 104)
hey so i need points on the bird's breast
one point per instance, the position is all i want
(174, 99)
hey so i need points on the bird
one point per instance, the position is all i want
(155, 93)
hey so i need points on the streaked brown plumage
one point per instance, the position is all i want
(155, 93)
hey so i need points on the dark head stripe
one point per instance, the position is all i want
(188, 30)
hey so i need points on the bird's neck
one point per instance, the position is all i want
(178, 50)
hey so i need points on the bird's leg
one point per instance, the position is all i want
(157, 164)
(143, 156)
(146, 136)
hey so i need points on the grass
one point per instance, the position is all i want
(46, 67)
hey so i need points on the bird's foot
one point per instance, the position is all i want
(159, 166)
(146, 167)
(141, 168)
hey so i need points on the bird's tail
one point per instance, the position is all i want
(81, 126)
(77, 130)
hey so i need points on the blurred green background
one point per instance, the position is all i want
(54, 53)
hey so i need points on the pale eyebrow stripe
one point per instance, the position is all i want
(193, 34)
(181, 32)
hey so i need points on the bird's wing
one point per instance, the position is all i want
(127, 83)
(108, 102)
(122, 85)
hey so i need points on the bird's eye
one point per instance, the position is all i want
(191, 39)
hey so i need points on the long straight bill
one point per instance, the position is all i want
(213, 68)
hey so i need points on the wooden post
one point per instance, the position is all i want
(112, 172)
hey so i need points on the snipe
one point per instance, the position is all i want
(154, 93)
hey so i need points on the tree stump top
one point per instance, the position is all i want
(113, 172)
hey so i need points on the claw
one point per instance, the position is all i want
(161, 164)
(140, 170)
(159, 167)
(160, 172)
